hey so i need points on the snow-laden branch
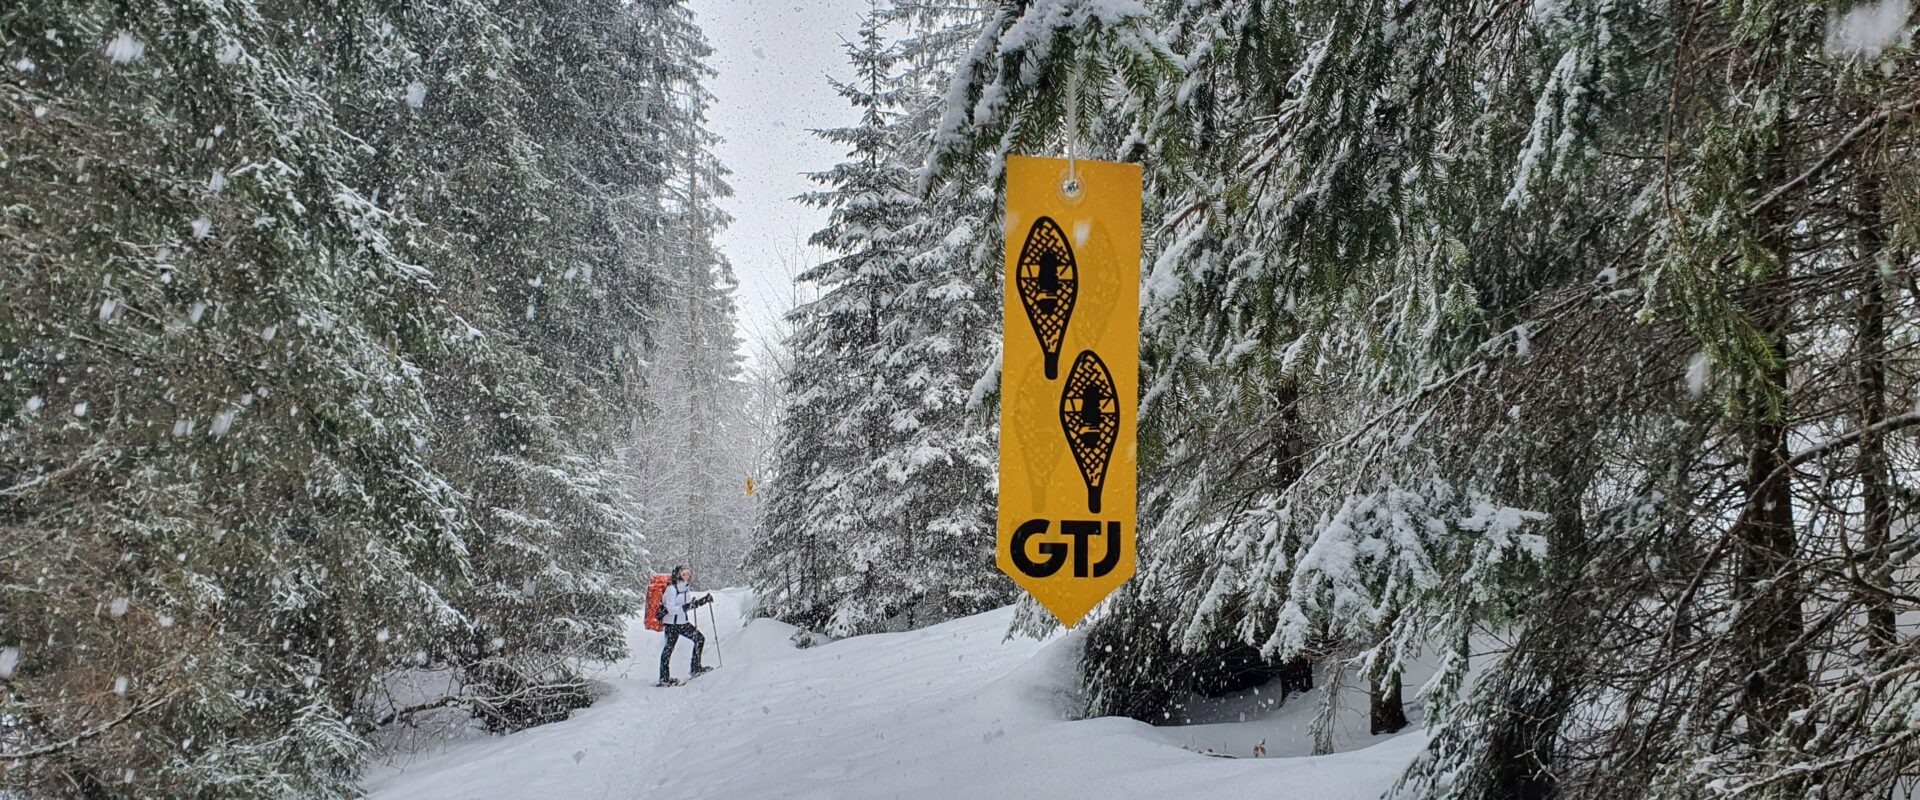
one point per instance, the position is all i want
(52, 748)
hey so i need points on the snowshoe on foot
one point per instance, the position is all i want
(666, 682)
(699, 671)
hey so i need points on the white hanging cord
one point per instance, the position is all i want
(1072, 186)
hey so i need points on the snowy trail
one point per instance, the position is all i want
(608, 750)
(951, 711)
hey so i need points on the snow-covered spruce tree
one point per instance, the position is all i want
(1764, 250)
(1222, 422)
(1306, 341)
(219, 523)
(792, 563)
(689, 454)
(535, 195)
(897, 529)
(944, 333)
(1530, 305)
(823, 487)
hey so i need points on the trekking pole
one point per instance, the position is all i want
(717, 660)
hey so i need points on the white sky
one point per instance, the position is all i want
(773, 57)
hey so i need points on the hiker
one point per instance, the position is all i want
(680, 603)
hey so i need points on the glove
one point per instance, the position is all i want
(704, 599)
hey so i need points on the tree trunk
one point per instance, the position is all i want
(1520, 758)
(1871, 380)
(1767, 571)
(1767, 579)
(1387, 713)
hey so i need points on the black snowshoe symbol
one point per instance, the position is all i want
(1090, 415)
(1048, 281)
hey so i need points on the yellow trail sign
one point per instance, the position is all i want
(1070, 381)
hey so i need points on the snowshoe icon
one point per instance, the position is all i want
(1048, 279)
(1090, 417)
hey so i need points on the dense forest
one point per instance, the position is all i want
(1568, 350)
(331, 335)
(1571, 343)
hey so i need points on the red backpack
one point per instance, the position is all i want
(656, 602)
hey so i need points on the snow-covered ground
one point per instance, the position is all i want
(951, 711)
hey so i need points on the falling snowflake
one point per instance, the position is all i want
(1699, 372)
(1869, 28)
(124, 49)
